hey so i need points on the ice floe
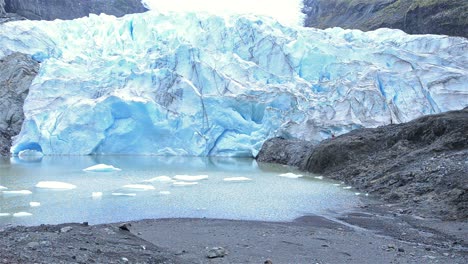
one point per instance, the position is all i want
(236, 179)
(140, 187)
(124, 194)
(96, 195)
(3, 188)
(182, 183)
(18, 192)
(291, 175)
(102, 168)
(347, 187)
(319, 177)
(34, 204)
(4, 214)
(165, 192)
(55, 185)
(21, 214)
(190, 178)
(159, 179)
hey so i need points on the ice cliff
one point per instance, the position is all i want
(193, 84)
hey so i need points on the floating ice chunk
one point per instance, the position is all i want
(18, 192)
(182, 183)
(159, 179)
(3, 188)
(358, 193)
(191, 178)
(124, 194)
(34, 204)
(96, 195)
(336, 184)
(347, 187)
(140, 187)
(165, 192)
(4, 214)
(21, 214)
(319, 177)
(102, 168)
(236, 179)
(291, 175)
(55, 185)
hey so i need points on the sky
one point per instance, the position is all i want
(286, 11)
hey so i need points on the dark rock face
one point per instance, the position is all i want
(16, 74)
(71, 9)
(448, 17)
(284, 151)
(421, 165)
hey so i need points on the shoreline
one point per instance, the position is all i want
(373, 233)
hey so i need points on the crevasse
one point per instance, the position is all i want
(195, 84)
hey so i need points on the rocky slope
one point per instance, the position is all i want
(448, 17)
(16, 75)
(421, 165)
(69, 9)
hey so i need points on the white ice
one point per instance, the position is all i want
(102, 168)
(236, 179)
(347, 187)
(124, 194)
(164, 192)
(22, 214)
(30, 155)
(34, 204)
(17, 192)
(159, 179)
(181, 183)
(140, 187)
(190, 178)
(4, 214)
(319, 177)
(96, 195)
(291, 175)
(55, 185)
(3, 188)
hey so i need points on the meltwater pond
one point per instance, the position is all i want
(160, 187)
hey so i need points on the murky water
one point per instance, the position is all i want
(266, 196)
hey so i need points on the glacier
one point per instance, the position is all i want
(197, 84)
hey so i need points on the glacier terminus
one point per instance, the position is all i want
(198, 84)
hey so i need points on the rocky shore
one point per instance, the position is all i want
(420, 166)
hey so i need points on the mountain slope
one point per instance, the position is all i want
(448, 17)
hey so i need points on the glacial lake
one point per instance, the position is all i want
(263, 196)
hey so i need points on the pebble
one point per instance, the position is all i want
(125, 259)
(268, 262)
(66, 229)
(216, 252)
(33, 245)
(401, 250)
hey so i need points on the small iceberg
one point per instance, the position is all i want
(124, 194)
(21, 214)
(3, 188)
(319, 177)
(347, 187)
(357, 194)
(291, 175)
(4, 214)
(140, 187)
(18, 192)
(159, 179)
(102, 168)
(34, 204)
(190, 178)
(55, 185)
(96, 195)
(182, 183)
(236, 179)
(336, 184)
(165, 192)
